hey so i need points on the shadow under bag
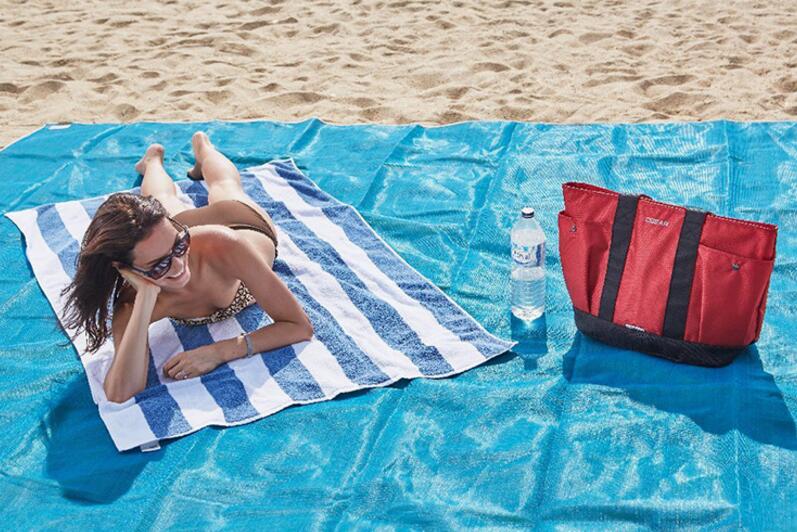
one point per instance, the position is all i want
(678, 283)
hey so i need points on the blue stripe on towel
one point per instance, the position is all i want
(162, 412)
(415, 286)
(92, 204)
(288, 372)
(196, 191)
(306, 188)
(58, 238)
(152, 372)
(385, 320)
(222, 384)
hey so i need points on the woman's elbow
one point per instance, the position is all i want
(306, 331)
(116, 393)
(115, 396)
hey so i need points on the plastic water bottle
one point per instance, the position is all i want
(528, 267)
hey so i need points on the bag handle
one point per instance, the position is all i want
(683, 273)
(622, 228)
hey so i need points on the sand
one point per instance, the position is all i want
(431, 62)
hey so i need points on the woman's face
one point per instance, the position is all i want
(160, 244)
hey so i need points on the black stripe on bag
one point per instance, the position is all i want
(683, 272)
(622, 228)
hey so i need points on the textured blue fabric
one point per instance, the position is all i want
(562, 432)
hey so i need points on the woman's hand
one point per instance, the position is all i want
(138, 282)
(193, 363)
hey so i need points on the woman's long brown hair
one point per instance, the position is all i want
(121, 222)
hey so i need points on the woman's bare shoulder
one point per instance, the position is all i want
(215, 241)
(225, 244)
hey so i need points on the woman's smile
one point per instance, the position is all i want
(184, 274)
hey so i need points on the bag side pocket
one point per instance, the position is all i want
(726, 305)
(583, 252)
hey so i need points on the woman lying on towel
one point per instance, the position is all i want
(148, 256)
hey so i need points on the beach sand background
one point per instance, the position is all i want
(383, 61)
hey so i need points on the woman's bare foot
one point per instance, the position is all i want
(154, 152)
(200, 142)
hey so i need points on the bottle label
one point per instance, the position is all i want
(527, 256)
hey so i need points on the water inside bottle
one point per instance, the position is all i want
(528, 293)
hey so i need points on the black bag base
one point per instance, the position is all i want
(675, 350)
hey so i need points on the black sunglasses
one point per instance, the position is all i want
(181, 243)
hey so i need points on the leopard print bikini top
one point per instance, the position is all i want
(243, 298)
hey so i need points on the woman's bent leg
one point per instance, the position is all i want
(220, 174)
(157, 182)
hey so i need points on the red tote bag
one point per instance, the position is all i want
(679, 283)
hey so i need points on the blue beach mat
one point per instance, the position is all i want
(561, 432)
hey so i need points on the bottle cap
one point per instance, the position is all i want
(527, 212)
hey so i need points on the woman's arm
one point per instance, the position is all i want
(128, 372)
(238, 257)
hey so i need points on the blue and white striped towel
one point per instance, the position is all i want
(376, 319)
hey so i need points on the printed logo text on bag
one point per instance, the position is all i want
(656, 221)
